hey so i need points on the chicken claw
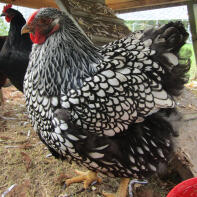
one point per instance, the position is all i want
(86, 177)
(122, 190)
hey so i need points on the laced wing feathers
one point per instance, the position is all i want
(121, 92)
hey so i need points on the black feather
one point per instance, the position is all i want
(169, 38)
(14, 55)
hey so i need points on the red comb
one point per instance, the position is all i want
(7, 7)
(31, 18)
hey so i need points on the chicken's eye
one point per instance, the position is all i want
(45, 21)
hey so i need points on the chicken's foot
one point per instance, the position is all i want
(87, 177)
(123, 187)
(122, 190)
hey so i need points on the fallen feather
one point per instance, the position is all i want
(23, 146)
(8, 118)
(28, 133)
(8, 190)
(11, 146)
(49, 155)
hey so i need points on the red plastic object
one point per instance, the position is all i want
(186, 188)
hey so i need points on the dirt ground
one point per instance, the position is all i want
(26, 162)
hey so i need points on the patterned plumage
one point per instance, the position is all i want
(109, 109)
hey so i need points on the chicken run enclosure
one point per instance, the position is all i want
(27, 165)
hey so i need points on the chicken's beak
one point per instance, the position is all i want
(2, 14)
(25, 29)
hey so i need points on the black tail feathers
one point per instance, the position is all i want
(167, 38)
(152, 140)
(167, 41)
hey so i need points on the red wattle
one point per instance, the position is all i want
(37, 38)
(8, 19)
(31, 18)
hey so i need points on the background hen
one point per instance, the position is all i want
(14, 55)
(111, 110)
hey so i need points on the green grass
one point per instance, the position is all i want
(187, 51)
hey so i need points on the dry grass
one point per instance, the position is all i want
(24, 161)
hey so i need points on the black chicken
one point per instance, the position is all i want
(14, 55)
(108, 109)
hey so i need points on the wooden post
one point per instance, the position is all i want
(192, 11)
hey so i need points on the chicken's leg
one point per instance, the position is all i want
(86, 177)
(122, 190)
(124, 185)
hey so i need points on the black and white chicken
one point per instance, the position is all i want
(111, 109)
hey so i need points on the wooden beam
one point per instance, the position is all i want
(119, 5)
(192, 11)
(32, 3)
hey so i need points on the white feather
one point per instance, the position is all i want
(171, 58)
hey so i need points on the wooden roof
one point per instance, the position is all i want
(32, 3)
(117, 5)
(123, 5)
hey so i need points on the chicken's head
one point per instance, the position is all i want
(8, 12)
(41, 24)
